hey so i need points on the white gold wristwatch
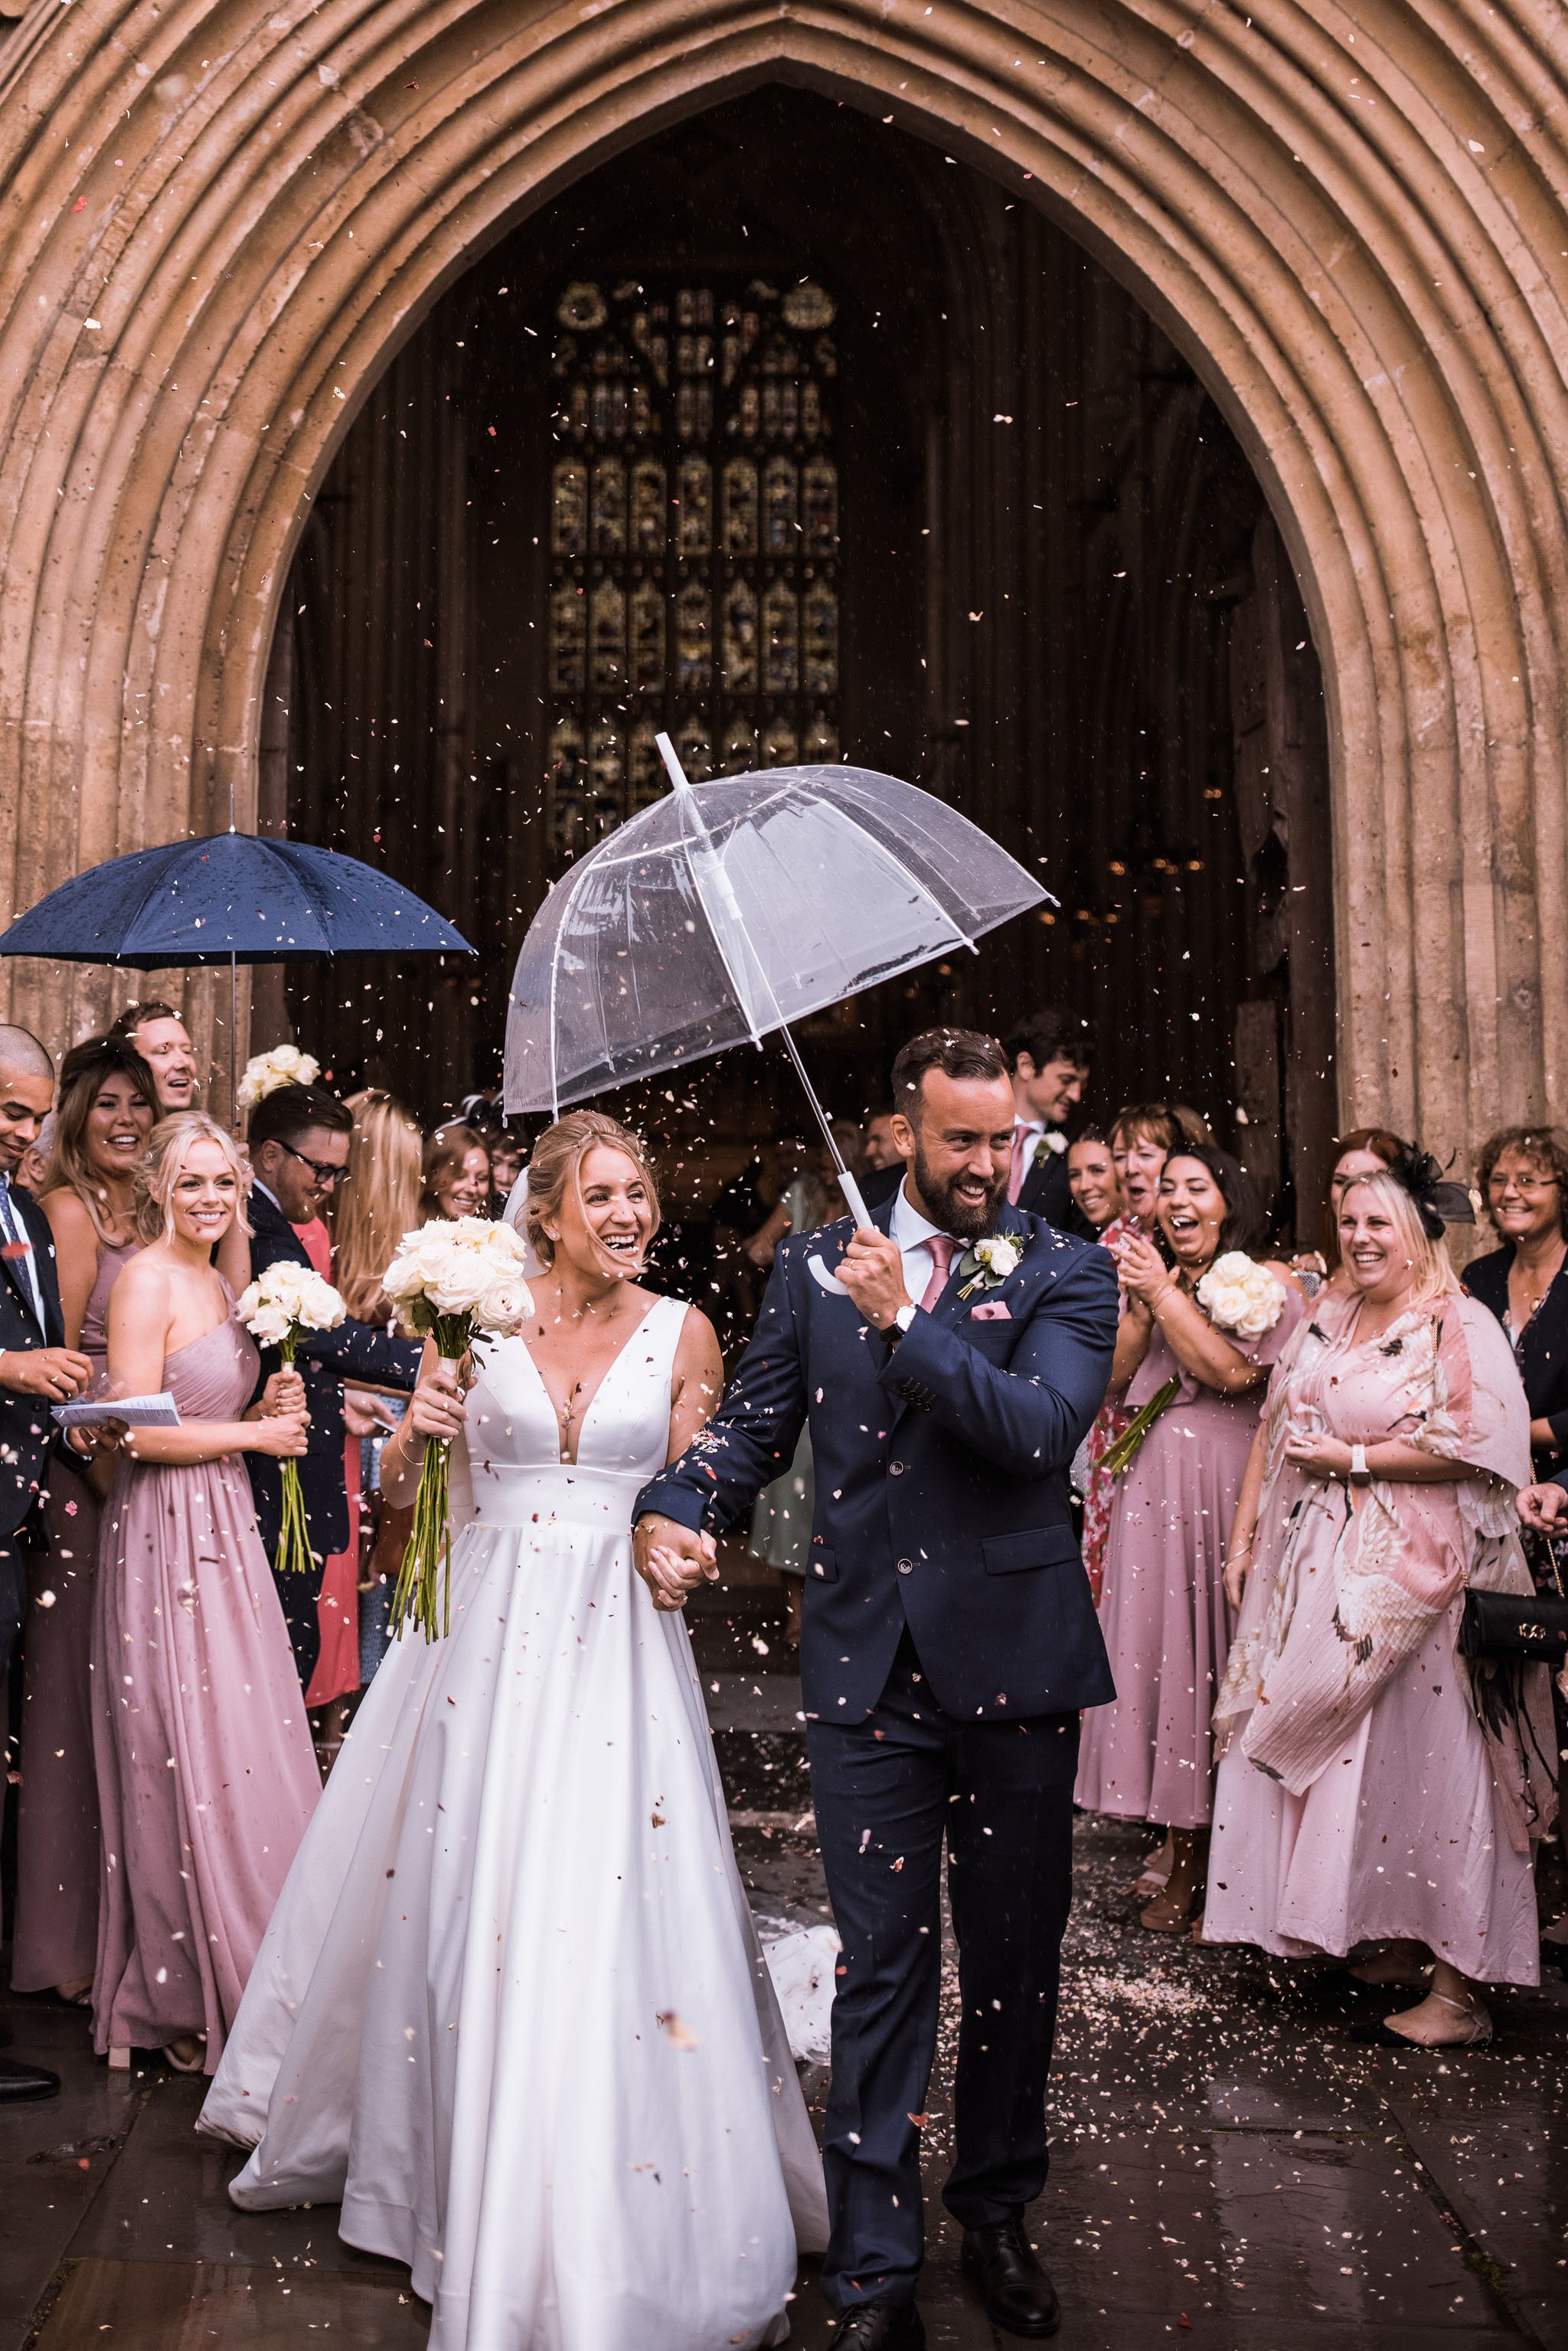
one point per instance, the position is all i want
(902, 1321)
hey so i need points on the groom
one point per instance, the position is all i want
(949, 1640)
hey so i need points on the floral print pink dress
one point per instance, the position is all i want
(1360, 1796)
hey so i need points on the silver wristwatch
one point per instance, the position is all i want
(902, 1321)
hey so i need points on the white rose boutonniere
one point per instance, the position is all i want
(1053, 1140)
(1241, 1296)
(988, 1265)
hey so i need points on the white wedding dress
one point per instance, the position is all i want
(510, 2010)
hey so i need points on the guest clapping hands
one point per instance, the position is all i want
(1193, 1353)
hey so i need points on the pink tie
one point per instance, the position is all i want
(1023, 1137)
(941, 1250)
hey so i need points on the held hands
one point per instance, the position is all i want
(1542, 1508)
(55, 1373)
(1321, 1456)
(672, 1560)
(1141, 1271)
(872, 1271)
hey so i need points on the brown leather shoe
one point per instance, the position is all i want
(1018, 2295)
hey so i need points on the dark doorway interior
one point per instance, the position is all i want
(1031, 569)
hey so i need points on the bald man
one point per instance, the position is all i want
(36, 1370)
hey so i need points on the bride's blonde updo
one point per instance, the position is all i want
(556, 1167)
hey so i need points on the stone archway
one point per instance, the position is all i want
(219, 226)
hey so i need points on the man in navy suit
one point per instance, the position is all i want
(1048, 1055)
(948, 1642)
(298, 1141)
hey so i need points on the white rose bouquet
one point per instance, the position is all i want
(285, 1065)
(279, 1307)
(1240, 1295)
(460, 1283)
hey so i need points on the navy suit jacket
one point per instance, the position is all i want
(354, 1350)
(940, 1470)
(27, 1429)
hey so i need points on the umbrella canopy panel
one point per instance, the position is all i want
(229, 897)
(734, 906)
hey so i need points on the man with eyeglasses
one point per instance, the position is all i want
(300, 1157)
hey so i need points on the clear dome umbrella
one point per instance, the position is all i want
(733, 907)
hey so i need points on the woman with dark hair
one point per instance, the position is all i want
(105, 1114)
(1141, 1139)
(456, 1181)
(1197, 1340)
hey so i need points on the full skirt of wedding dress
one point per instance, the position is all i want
(511, 2011)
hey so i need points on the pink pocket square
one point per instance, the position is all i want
(992, 1310)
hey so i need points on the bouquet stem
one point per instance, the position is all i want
(1119, 1457)
(427, 1562)
(294, 1555)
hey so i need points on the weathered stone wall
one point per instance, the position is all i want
(219, 221)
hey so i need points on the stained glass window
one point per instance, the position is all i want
(694, 539)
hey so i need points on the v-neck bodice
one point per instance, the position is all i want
(506, 1468)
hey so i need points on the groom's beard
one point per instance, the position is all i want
(966, 1219)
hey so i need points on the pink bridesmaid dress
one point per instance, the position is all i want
(206, 1775)
(56, 1938)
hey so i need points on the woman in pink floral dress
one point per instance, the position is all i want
(1372, 1787)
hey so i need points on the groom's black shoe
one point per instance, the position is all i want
(23, 2080)
(1019, 2296)
(881, 2326)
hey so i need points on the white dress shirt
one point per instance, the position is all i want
(910, 1234)
(21, 1239)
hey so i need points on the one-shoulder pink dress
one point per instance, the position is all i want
(206, 1774)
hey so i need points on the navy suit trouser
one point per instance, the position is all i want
(888, 1790)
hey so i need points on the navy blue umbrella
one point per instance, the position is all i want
(232, 897)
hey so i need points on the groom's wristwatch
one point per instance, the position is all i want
(901, 1323)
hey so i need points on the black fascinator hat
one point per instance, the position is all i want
(1417, 1173)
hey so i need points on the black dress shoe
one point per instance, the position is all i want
(881, 2326)
(26, 2081)
(1019, 2296)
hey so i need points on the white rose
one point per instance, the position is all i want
(403, 1278)
(286, 1058)
(999, 1253)
(320, 1308)
(1241, 1296)
(247, 1303)
(459, 1290)
(505, 1307)
(269, 1326)
(506, 1244)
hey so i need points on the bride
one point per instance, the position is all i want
(510, 2010)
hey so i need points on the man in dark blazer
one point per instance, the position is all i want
(36, 1370)
(1049, 1056)
(948, 1642)
(298, 1141)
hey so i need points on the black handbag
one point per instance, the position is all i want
(1510, 1626)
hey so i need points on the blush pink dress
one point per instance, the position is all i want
(1150, 1756)
(206, 1775)
(55, 1939)
(1359, 1796)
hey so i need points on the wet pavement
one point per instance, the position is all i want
(1231, 2162)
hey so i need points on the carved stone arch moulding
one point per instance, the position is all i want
(218, 222)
